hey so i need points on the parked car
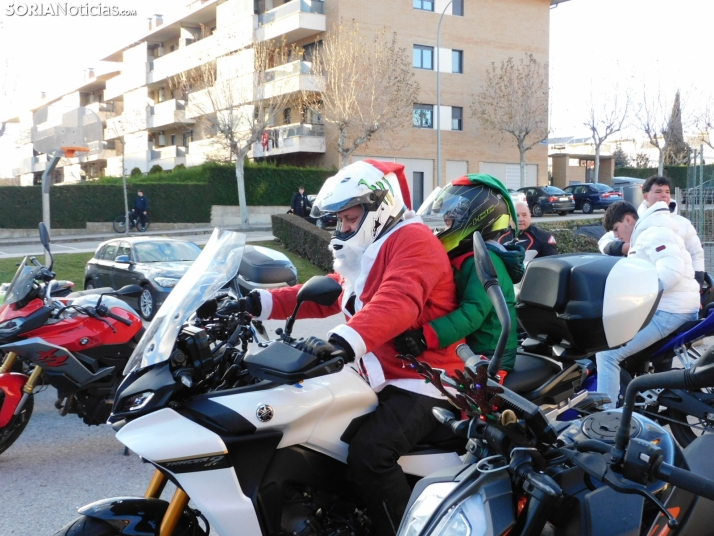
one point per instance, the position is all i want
(542, 199)
(324, 221)
(631, 188)
(516, 196)
(157, 265)
(589, 197)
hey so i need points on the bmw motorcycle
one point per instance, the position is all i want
(78, 344)
(255, 436)
(610, 474)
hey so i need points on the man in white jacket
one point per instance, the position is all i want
(658, 188)
(655, 237)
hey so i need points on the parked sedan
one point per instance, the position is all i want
(326, 220)
(589, 197)
(157, 265)
(542, 199)
(516, 196)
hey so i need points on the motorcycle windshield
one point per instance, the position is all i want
(22, 283)
(217, 264)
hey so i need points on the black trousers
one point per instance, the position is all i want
(141, 217)
(401, 419)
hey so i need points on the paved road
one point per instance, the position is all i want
(60, 464)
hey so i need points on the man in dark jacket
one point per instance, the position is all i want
(299, 204)
(141, 209)
(529, 236)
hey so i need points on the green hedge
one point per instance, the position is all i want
(304, 238)
(678, 174)
(184, 196)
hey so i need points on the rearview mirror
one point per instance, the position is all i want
(133, 291)
(321, 290)
(124, 259)
(44, 236)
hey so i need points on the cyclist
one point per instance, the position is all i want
(141, 209)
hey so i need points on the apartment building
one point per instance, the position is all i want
(146, 123)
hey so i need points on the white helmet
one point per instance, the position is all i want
(381, 189)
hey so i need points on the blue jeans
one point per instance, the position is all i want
(608, 362)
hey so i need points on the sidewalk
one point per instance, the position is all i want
(100, 237)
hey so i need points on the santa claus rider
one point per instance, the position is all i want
(395, 276)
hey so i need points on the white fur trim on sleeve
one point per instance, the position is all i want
(353, 338)
(266, 304)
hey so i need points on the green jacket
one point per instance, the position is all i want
(476, 319)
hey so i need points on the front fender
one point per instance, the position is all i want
(11, 384)
(131, 516)
(138, 516)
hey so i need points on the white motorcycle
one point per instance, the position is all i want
(257, 439)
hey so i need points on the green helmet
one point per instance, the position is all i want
(472, 203)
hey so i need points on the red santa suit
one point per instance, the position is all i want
(405, 281)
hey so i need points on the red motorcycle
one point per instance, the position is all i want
(78, 344)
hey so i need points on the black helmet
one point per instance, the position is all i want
(472, 203)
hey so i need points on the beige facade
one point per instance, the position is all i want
(149, 125)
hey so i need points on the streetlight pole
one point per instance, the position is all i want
(438, 98)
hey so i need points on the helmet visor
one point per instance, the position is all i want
(449, 208)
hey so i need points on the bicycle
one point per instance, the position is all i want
(134, 223)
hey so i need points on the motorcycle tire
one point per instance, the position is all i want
(682, 433)
(87, 526)
(10, 432)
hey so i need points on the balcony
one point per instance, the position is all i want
(126, 123)
(104, 110)
(229, 39)
(292, 77)
(167, 157)
(294, 21)
(293, 138)
(33, 164)
(168, 113)
(100, 150)
(126, 81)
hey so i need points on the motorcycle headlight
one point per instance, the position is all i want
(137, 401)
(11, 326)
(468, 518)
(166, 282)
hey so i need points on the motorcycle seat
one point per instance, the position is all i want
(639, 360)
(530, 372)
(90, 292)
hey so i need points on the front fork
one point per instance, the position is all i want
(16, 387)
(176, 507)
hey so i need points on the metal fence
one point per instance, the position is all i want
(697, 204)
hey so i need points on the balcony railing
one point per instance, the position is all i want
(301, 6)
(293, 138)
(288, 69)
(171, 151)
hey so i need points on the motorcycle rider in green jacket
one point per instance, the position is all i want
(472, 203)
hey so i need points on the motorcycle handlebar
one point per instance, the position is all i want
(107, 312)
(686, 480)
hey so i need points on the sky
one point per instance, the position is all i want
(597, 47)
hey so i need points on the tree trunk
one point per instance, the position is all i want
(345, 158)
(660, 166)
(523, 166)
(240, 179)
(596, 178)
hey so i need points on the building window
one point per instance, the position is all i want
(187, 138)
(173, 139)
(417, 189)
(423, 115)
(287, 117)
(426, 5)
(457, 61)
(457, 114)
(423, 57)
(457, 8)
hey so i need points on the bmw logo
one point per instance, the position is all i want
(83, 341)
(264, 413)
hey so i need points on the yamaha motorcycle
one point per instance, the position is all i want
(610, 474)
(79, 345)
(255, 436)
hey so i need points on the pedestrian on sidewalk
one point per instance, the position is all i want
(141, 209)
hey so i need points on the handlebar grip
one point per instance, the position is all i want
(686, 480)
(118, 318)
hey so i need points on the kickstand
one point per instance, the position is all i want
(126, 451)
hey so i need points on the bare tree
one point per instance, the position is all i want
(369, 86)
(704, 124)
(514, 100)
(606, 118)
(661, 122)
(237, 106)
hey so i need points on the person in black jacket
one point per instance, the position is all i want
(299, 204)
(529, 236)
(141, 209)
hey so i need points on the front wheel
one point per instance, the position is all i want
(119, 224)
(87, 526)
(537, 211)
(13, 429)
(147, 303)
(587, 207)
